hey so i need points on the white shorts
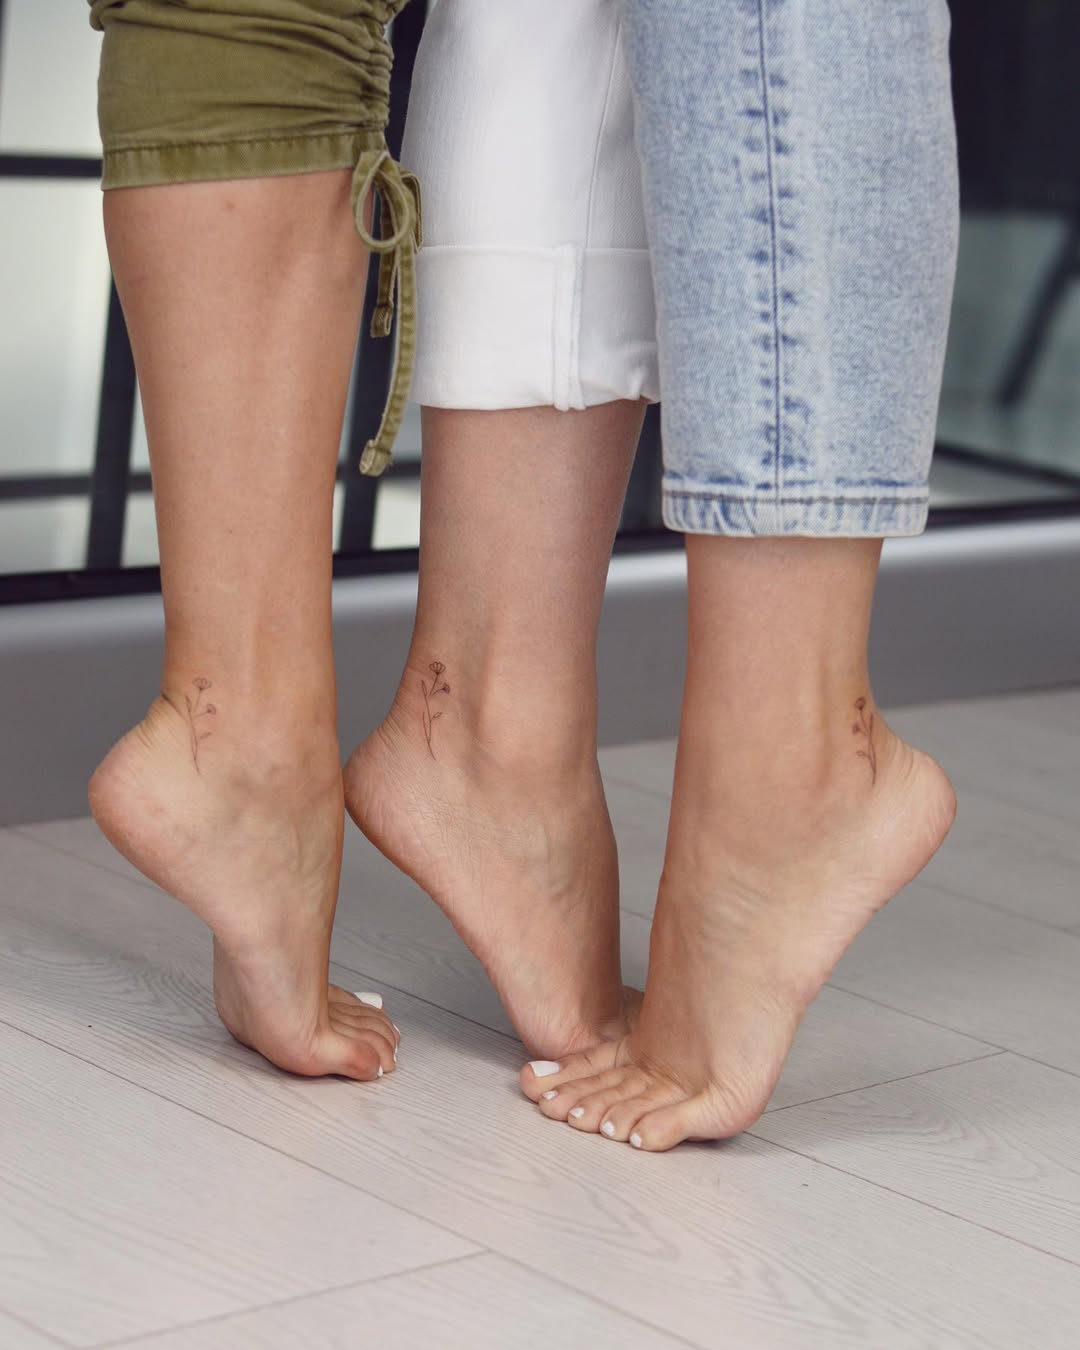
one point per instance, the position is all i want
(534, 280)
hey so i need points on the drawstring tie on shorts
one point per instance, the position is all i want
(401, 235)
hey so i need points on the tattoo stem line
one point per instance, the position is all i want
(430, 718)
(865, 727)
(195, 711)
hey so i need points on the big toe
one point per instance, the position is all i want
(543, 1075)
(692, 1118)
(361, 1041)
(358, 1052)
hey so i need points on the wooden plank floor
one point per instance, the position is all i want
(913, 1184)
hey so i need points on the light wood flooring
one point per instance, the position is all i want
(915, 1182)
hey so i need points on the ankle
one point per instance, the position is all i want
(793, 782)
(528, 727)
(250, 744)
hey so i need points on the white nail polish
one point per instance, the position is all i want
(395, 1054)
(635, 1140)
(544, 1068)
(372, 1000)
(608, 1128)
(551, 1092)
(577, 1112)
(379, 1074)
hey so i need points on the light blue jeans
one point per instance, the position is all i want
(744, 208)
(799, 175)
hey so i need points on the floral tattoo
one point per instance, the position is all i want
(438, 686)
(196, 711)
(865, 727)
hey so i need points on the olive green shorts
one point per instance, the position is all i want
(191, 90)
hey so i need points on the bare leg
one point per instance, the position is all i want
(797, 814)
(242, 299)
(482, 783)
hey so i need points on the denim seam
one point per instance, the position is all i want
(792, 498)
(770, 172)
(812, 517)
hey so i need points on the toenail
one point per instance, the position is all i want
(608, 1128)
(635, 1140)
(577, 1112)
(372, 1000)
(379, 1074)
(395, 1054)
(544, 1068)
(551, 1092)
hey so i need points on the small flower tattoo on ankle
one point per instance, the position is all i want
(438, 686)
(197, 710)
(865, 727)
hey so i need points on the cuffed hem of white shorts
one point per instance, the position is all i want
(565, 327)
(707, 510)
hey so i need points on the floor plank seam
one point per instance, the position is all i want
(360, 976)
(261, 1143)
(134, 876)
(885, 1082)
(941, 1026)
(148, 1338)
(938, 889)
(1043, 1063)
(34, 1329)
(600, 1302)
(963, 784)
(1001, 909)
(913, 1199)
(481, 1248)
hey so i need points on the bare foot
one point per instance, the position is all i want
(522, 861)
(757, 904)
(246, 831)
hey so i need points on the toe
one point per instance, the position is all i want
(340, 1000)
(349, 1015)
(371, 1031)
(363, 1058)
(558, 1103)
(359, 1056)
(591, 1111)
(667, 1126)
(541, 1075)
(356, 1015)
(622, 1116)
